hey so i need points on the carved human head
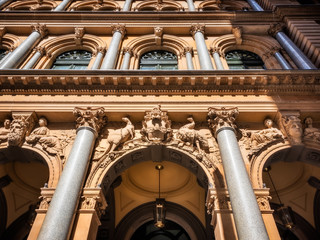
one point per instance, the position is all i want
(268, 123)
(7, 123)
(308, 121)
(43, 122)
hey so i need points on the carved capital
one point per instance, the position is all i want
(93, 199)
(90, 117)
(188, 49)
(290, 125)
(20, 127)
(275, 28)
(39, 49)
(119, 28)
(45, 198)
(220, 118)
(216, 50)
(197, 28)
(40, 28)
(127, 50)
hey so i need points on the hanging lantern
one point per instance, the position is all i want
(160, 213)
(286, 216)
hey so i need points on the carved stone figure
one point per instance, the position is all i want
(189, 136)
(4, 131)
(115, 138)
(156, 126)
(260, 138)
(19, 128)
(41, 135)
(310, 132)
(293, 128)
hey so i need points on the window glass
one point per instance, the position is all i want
(75, 59)
(2, 54)
(158, 60)
(238, 59)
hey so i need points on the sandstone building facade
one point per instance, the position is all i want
(200, 116)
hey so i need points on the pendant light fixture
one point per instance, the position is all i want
(159, 215)
(285, 213)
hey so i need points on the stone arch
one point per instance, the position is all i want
(263, 46)
(147, 43)
(56, 46)
(105, 171)
(209, 5)
(10, 42)
(53, 162)
(165, 5)
(95, 6)
(276, 152)
(31, 5)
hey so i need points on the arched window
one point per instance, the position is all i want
(75, 59)
(238, 59)
(158, 60)
(2, 53)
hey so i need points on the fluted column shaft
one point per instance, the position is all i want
(62, 5)
(203, 54)
(191, 6)
(60, 215)
(34, 59)
(294, 52)
(109, 61)
(19, 54)
(282, 61)
(217, 60)
(127, 5)
(98, 59)
(255, 6)
(126, 59)
(246, 212)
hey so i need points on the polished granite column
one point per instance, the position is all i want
(99, 55)
(60, 215)
(188, 52)
(217, 59)
(126, 58)
(246, 212)
(62, 5)
(127, 5)
(38, 52)
(255, 6)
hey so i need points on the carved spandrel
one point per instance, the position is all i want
(110, 140)
(20, 127)
(42, 136)
(311, 133)
(156, 126)
(220, 118)
(90, 117)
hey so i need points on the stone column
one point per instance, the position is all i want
(62, 5)
(297, 56)
(5, 57)
(255, 6)
(246, 212)
(282, 61)
(126, 58)
(191, 6)
(217, 60)
(99, 56)
(3, 3)
(60, 215)
(188, 52)
(127, 5)
(19, 54)
(38, 52)
(197, 32)
(110, 60)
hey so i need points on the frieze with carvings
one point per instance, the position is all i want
(156, 126)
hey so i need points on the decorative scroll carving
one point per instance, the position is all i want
(158, 32)
(20, 127)
(114, 139)
(156, 126)
(258, 139)
(291, 126)
(41, 135)
(40, 28)
(197, 28)
(90, 117)
(5, 130)
(119, 28)
(311, 133)
(191, 137)
(224, 117)
(263, 202)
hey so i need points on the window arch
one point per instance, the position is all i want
(75, 59)
(240, 59)
(158, 60)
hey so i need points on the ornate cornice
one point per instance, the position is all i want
(90, 117)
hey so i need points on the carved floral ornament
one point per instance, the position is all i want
(90, 117)
(220, 118)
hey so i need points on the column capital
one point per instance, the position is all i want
(188, 49)
(119, 28)
(39, 49)
(127, 50)
(197, 28)
(221, 118)
(93, 199)
(275, 28)
(215, 50)
(90, 117)
(40, 28)
(99, 49)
